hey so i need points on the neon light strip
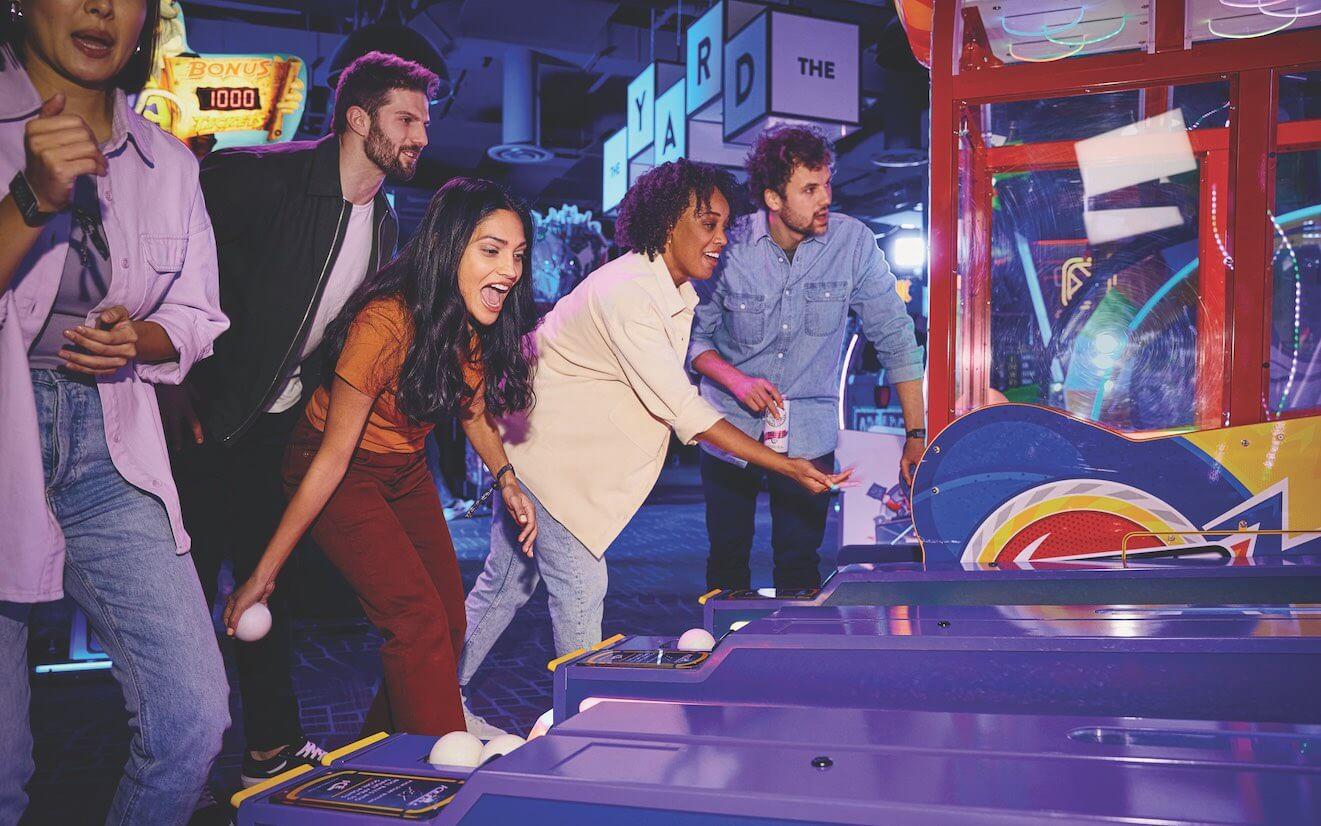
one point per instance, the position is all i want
(1297, 305)
(1256, 5)
(1023, 59)
(88, 665)
(1297, 12)
(1123, 23)
(1038, 302)
(843, 377)
(1210, 26)
(1061, 27)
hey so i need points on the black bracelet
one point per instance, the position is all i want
(495, 483)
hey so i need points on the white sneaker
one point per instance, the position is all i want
(478, 727)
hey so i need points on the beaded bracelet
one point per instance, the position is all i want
(495, 483)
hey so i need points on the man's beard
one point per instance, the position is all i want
(796, 223)
(385, 155)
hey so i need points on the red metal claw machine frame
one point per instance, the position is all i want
(1125, 208)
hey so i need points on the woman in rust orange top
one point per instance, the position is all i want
(437, 333)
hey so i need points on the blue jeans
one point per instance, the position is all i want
(146, 606)
(575, 579)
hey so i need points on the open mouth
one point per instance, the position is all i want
(410, 155)
(493, 296)
(712, 256)
(93, 43)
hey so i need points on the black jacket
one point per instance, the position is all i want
(279, 217)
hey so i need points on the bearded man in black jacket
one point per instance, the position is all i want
(299, 226)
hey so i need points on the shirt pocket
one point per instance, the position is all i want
(165, 253)
(747, 317)
(164, 256)
(825, 307)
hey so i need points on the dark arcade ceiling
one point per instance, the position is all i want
(584, 53)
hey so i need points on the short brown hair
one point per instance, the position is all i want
(772, 159)
(368, 81)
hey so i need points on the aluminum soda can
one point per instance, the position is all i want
(775, 429)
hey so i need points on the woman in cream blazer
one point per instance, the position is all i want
(610, 387)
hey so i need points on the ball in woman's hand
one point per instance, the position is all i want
(254, 623)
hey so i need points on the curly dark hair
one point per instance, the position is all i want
(654, 204)
(426, 277)
(771, 161)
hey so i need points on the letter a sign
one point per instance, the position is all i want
(671, 125)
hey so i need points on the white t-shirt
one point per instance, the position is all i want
(348, 273)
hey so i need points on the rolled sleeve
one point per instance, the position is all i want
(885, 321)
(706, 319)
(190, 311)
(647, 357)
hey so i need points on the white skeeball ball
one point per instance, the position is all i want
(737, 626)
(254, 623)
(697, 639)
(543, 724)
(498, 746)
(458, 748)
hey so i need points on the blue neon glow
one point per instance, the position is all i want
(86, 665)
(1038, 302)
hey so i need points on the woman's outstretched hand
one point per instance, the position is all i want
(520, 507)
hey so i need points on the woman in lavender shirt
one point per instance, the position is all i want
(107, 284)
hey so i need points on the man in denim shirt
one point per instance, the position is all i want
(772, 331)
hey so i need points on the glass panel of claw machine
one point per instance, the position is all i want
(1295, 354)
(1093, 252)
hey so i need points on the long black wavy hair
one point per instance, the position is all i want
(425, 276)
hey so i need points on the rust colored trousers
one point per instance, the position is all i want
(385, 532)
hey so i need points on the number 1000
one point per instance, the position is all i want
(224, 98)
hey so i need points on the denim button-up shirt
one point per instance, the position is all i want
(163, 258)
(784, 321)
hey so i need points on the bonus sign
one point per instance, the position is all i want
(237, 99)
(220, 94)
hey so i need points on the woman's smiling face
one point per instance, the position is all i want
(492, 264)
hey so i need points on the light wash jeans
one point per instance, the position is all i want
(575, 579)
(145, 604)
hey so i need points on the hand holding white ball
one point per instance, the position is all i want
(254, 623)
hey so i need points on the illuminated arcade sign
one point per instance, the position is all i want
(614, 170)
(671, 141)
(259, 95)
(237, 99)
(774, 68)
(786, 68)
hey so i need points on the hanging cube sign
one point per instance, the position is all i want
(671, 125)
(704, 83)
(704, 48)
(642, 91)
(784, 68)
(614, 170)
